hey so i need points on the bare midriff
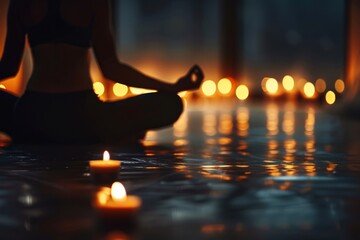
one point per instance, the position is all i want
(60, 68)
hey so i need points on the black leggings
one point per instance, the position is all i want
(80, 117)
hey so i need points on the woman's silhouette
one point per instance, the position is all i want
(59, 105)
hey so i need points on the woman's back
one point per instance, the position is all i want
(59, 33)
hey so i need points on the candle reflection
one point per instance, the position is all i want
(288, 124)
(310, 122)
(226, 124)
(212, 228)
(272, 117)
(242, 118)
(310, 142)
(181, 126)
(209, 124)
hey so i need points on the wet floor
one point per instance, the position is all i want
(225, 171)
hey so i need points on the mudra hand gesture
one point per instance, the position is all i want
(191, 81)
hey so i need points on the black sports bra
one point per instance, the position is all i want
(54, 29)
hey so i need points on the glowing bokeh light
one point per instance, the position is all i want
(118, 191)
(2, 86)
(208, 88)
(330, 97)
(339, 86)
(320, 85)
(272, 86)
(99, 88)
(120, 90)
(263, 83)
(242, 92)
(309, 90)
(225, 86)
(288, 83)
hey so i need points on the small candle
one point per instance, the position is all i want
(113, 203)
(105, 170)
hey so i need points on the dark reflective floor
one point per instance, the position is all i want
(225, 171)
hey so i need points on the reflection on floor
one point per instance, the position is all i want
(225, 171)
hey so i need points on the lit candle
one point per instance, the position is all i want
(113, 203)
(105, 170)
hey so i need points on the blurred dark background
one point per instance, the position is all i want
(243, 39)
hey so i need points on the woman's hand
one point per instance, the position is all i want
(191, 81)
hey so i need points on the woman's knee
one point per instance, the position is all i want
(173, 104)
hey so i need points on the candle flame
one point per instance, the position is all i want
(208, 88)
(225, 86)
(242, 92)
(118, 191)
(330, 97)
(106, 156)
(309, 90)
(272, 86)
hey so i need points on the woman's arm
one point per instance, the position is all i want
(105, 52)
(14, 43)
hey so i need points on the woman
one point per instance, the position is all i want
(59, 105)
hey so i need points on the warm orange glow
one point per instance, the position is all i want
(118, 192)
(272, 119)
(330, 97)
(209, 124)
(288, 83)
(272, 86)
(224, 141)
(320, 85)
(242, 92)
(181, 125)
(5, 140)
(242, 117)
(310, 123)
(288, 124)
(16, 84)
(331, 166)
(208, 88)
(181, 142)
(99, 88)
(103, 195)
(182, 94)
(339, 86)
(2, 86)
(212, 228)
(225, 123)
(225, 86)
(138, 91)
(120, 90)
(309, 90)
